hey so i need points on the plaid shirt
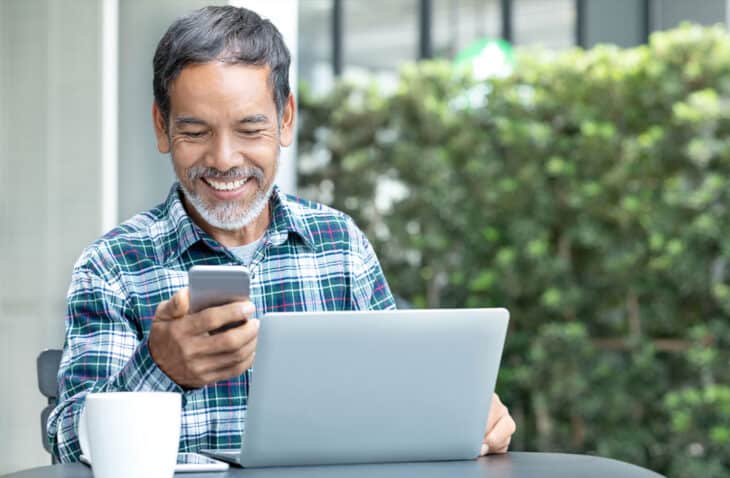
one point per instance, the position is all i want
(313, 258)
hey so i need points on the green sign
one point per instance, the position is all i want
(487, 58)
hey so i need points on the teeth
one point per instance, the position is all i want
(226, 186)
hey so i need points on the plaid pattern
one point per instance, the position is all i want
(313, 258)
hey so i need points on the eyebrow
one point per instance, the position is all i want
(259, 118)
(189, 120)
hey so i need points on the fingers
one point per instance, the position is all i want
(500, 427)
(216, 367)
(215, 317)
(499, 437)
(195, 361)
(496, 410)
(227, 373)
(174, 308)
(240, 361)
(232, 340)
(484, 450)
(189, 354)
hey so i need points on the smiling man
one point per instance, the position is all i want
(222, 111)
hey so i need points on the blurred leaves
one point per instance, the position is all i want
(587, 192)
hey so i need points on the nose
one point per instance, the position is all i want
(224, 154)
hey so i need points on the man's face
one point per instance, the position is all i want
(224, 139)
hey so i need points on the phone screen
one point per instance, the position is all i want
(212, 286)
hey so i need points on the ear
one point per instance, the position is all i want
(163, 140)
(286, 135)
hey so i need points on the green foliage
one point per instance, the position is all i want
(587, 192)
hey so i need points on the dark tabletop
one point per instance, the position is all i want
(510, 465)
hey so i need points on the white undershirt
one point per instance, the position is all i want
(245, 252)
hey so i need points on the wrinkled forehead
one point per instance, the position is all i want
(220, 87)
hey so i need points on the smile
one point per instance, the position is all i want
(225, 185)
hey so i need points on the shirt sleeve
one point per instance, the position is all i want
(104, 351)
(370, 288)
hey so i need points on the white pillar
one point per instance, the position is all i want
(50, 195)
(285, 15)
(109, 114)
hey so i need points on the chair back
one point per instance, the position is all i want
(47, 365)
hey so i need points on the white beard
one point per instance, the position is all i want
(230, 216)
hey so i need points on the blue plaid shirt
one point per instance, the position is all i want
(313, 258)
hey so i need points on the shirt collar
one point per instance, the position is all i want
(284, 220)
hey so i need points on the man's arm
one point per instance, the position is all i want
(103, 352)
(106, 352)
(370, 290)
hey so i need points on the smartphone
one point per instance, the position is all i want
(187, 462)
(211, 286)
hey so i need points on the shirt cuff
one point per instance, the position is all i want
(141, 374)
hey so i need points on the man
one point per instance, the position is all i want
(222, 110)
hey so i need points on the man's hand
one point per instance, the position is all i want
(500, 427)
(182, 347)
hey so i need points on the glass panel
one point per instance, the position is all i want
(458, 23)
(550, 23)
(315, 44)
(379, 35)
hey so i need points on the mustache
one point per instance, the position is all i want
(197, 172)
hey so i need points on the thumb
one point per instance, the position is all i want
(180, 302)
(176, 307)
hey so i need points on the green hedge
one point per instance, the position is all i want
(588, 193)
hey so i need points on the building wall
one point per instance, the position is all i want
(620, 22)
(670, 13)
(49, 195)
(51, 173)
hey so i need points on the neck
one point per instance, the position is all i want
(239, 237)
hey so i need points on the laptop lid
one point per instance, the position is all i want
(372, 387)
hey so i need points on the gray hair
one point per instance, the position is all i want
(227, 33)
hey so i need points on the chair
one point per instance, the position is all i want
(47, 367)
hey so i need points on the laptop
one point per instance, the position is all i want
(370, 387)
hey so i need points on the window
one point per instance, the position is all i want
(315, 44)
(379, 35)
(550, 23)
(458, 23)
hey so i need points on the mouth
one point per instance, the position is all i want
(229, 185)
(226, 189)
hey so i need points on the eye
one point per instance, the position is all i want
(250, 132)
(193, 134)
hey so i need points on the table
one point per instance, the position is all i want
(510, 465)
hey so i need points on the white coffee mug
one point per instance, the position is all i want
(131, 434)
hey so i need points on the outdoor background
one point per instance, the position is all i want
(576, 173)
